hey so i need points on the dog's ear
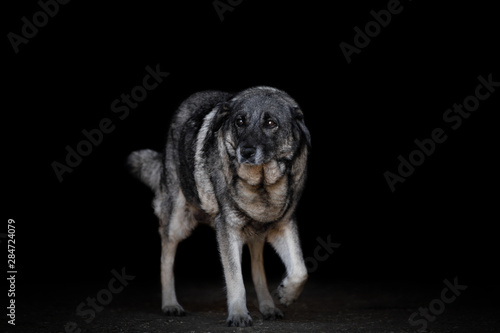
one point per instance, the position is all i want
(222, 114)
(299, 126)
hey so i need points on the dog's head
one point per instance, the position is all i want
(261, 124)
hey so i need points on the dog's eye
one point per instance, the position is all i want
(239, 122)
(270, 123)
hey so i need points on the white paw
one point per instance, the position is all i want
(271, 312)
(289, 290)
(239, 320)
(173, 310)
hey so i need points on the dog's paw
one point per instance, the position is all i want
(239, 320)
(271, 313)
(289, 291)
(173, 310)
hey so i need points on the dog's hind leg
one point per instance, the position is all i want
(266, 304)
(169, 304)
(174, 227)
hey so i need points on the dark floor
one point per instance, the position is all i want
(323, 307)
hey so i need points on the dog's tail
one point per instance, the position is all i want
(146, 165)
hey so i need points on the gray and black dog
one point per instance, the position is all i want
(238, 163)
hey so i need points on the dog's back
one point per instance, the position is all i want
(175, 165)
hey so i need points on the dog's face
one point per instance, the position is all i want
(262, 124)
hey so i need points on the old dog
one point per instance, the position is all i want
(238, 163)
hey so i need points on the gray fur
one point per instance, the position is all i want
(146, 165)
(238, 163)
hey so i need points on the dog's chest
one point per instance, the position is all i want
(262, 192)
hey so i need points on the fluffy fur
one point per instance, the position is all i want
(238, 163)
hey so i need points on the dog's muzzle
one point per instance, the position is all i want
(249, 155)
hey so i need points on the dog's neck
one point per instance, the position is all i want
(261, 191)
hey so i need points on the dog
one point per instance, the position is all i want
(237, 162)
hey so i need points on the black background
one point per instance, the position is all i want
(440, 223)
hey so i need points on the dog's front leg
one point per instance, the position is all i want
(286, 243)
(230, 247)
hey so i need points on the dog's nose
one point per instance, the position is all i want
(247, 152)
